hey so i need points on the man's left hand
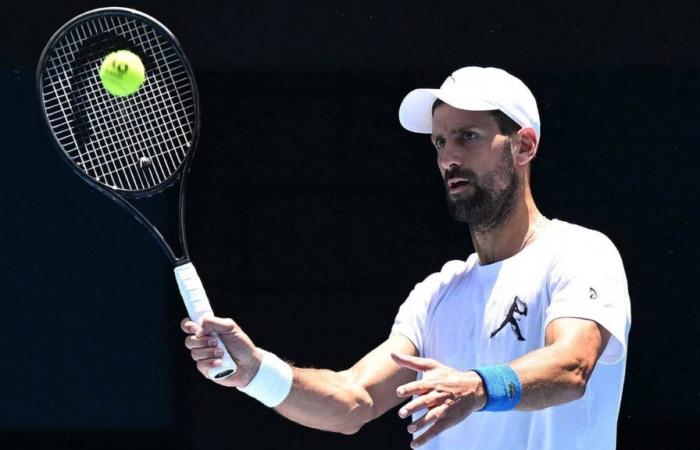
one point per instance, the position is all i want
(449, 395)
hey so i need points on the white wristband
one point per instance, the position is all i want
(273, 382)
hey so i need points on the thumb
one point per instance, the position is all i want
(239, 345)
(217, 324)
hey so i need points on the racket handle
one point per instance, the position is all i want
(198, 306)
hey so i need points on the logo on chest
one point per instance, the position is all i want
(517, 309)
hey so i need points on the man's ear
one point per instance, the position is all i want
(527, 150)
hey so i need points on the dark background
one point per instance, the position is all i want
(312, 213)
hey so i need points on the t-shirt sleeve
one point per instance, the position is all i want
(411, 318)
(588, 281)
(413, 313)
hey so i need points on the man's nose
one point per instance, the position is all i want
(449, 157)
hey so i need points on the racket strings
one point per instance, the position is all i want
(119, 138)
(107, 136)
(168, 126)
(109, 161)
(79, 85)
(105, 169)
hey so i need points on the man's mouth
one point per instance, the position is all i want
(455, 185)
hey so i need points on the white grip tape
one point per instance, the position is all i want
(198, 306)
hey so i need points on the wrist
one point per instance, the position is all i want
(254, 367)
(272, 382)
(478, 391)
(502, 387)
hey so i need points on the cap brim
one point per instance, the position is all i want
(416, 110)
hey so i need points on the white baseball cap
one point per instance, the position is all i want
(472, 89)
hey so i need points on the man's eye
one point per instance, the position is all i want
(469, 136)
(439, 143)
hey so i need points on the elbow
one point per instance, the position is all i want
(358, 413)
(349, 429)
(578, 387)
(579, 372)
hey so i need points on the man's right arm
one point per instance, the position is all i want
(324, 399)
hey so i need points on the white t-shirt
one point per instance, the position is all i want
(469, 315)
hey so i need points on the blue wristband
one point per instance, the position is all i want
(502, 385)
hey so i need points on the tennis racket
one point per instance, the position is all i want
(133, 146)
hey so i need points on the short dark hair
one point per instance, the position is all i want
(505, 124)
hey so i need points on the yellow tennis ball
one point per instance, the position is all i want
(122, 73)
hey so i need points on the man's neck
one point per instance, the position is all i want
(511, 236)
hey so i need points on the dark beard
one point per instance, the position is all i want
(488, 205)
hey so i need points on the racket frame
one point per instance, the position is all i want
(122, 196)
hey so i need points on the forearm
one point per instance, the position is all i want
(551, 376)
(555, 374)
(548, 376)
(317, 398)
(327, 400)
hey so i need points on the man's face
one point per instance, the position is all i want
(476, 162)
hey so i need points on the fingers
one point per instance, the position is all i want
(414, 362)
(199, 354)
(419, 387)
(427, 419)
(203, 343)
(437, 428)
(188, 326)
(192, 342)
(217, 324)
(429, 400)
(208, 324)
(203, 348)
(212, 329)
(206, 364)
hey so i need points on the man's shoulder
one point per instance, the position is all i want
(577, 240)
(571, 234)
(450, 271)
(454, 268)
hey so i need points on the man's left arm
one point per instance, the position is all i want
(554, 374)
(558, 373)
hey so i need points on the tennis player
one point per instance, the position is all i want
(520, 346)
